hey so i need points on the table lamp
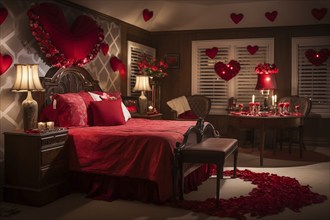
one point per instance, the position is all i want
(265, 83)
(142, 84)
(27, 80)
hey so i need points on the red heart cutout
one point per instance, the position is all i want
(252, 49)
(271, 15)
(114, 63)
(236, 17)
(319, 13)
(317, 58)
(3, 14)
(105, 48)
(5, 63)
(147, 15)
(211, 52)
(63, 45)
(122, 70)
(227, 71)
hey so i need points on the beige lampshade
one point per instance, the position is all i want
(27, 78)
(142, 84)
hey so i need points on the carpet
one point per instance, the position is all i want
(250, 157)
(272, 195)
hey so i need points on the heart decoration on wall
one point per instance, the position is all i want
(5, 63)
(105, 48)
(271, 16)
(117, 65)
(252, 49)
(227, 71)
(236, 17)
(147, 15)
(319, 13)
(211, 53)
(317, 58)
(3, 14)
(63, 45)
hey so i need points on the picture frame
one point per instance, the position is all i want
(173, 60)
(131, 103)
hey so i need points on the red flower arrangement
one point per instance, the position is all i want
(266, 68)
(150, 66)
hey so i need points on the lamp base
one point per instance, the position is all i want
(30, 112)
(143, 103)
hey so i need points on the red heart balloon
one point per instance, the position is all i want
(317, 58)
(252, 49)
(147, 15)
(236, 17)
(114, 63)
(105, 48)
(271, 15)
(227, 71)
(5, 63)
(64, 45)
(211, 52)
(122, 70)
(319, 13)
(3, 14)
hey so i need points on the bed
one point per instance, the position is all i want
(116, 157)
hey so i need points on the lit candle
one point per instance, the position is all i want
(273, 100)
(253, 98)
(50, 124)
(41, 125)
(150, 108)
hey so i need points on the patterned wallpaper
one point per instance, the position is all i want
(16, 40)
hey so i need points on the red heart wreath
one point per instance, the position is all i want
(3, 14)
(271, 16)
(5, 63)
(211, 52)
(147, 15)
(319, 13)
(236, 17)
(64, 46)
(227, 71)
(317, 58)
(252, 49)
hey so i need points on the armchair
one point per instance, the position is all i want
(196, 106)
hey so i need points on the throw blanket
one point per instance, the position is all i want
(180, 104)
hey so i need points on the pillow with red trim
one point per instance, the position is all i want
(107, 112)
(188, 115)
(72, 111)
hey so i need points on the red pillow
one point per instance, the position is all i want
(71, 110)
(87, 99)
(107, 112)
(188, 115)
(49, 114)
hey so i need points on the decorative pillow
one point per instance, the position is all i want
(188, 115)
(49, 114)
(107, 112)
(71, 110)
(98, 96)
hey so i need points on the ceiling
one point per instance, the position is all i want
(172, 15)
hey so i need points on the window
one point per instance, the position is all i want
(309, 80)
(135, 51)
(206, 82)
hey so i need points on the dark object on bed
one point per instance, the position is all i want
(201, 145)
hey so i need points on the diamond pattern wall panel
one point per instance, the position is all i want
(16, 40)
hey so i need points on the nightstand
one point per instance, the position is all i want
(157, 116)
(36, 167)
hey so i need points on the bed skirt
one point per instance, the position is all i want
(109, 188)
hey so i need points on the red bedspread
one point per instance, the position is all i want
(141, 148)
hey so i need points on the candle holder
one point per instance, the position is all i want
(251, 108)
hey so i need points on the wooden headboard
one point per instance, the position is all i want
(65, 80)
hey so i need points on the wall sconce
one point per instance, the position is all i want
(27, 80)
(142, 84)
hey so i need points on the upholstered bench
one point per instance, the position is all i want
(206, 150)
